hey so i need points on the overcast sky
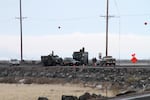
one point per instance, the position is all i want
(82, 25)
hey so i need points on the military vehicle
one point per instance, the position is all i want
(70, 62)
(51, 60)
(81, 56)
(108, 61)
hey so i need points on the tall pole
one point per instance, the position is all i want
(107, 16)
(21, 32)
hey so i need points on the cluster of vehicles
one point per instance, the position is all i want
(78, 58)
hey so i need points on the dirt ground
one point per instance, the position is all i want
(33, 91)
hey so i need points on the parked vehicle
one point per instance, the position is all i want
(81, 56)
(14, 62)
(51, 60)
(108, 61)
(70, 62)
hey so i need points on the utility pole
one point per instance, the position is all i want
(107, 17)
(21, 48)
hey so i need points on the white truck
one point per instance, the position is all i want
(14, 62)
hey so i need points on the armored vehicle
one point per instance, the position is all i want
(108, 61)
(81, 56)
(51, 60)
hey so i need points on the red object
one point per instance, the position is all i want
(134, 60)
(133, 55)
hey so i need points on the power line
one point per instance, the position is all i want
(75, 18)
(119, 27)
(117, 7)
(135, 15)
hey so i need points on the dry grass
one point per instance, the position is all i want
(33, 91)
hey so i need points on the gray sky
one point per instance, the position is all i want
(81, 25)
